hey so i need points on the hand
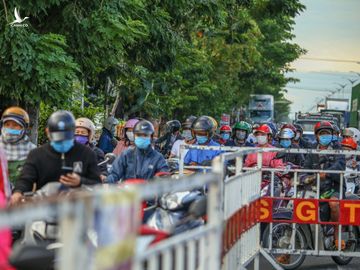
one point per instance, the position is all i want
(103, 178)
(322, 176)
(16, 198)
(70, 180)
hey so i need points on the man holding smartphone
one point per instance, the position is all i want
(62, 159)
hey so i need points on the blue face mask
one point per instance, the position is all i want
(225, 136)
(10, 135)
(11, 131)
(142, 142)
(285, 143)
(62, 146)
(335, 138)
(325, 140)
(201, 139)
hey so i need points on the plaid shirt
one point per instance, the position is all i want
(19, 150)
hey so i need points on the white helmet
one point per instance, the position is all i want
(88, 124)
(356, 134)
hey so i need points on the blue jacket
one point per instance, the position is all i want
(105, 141)
(136, 163)
(199, 156)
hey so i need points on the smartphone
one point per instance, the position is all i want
(65, 170)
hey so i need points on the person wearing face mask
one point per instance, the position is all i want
(140, 162)
(84, 134)
(286, 137)
(263, 135)
(225, 134)
(128, 140)
(203, 131)
(329, 183)
(14, 140)
(165, 143)
(241, 132)
(336, 136)
(350, 144)
(187, 135)
(61, 160)
(107, 140)
(299, 140)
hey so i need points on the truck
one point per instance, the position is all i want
(308, 120)
(338, 107)
(355, 109)
(261, 108)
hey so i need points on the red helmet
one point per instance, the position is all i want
(323, 125)
(289, 126)
(349, 142)
(225, 128)
(263, 129)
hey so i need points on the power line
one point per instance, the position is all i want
(330, 60)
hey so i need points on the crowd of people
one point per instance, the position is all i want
(73, 157)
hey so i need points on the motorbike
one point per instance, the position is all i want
(305, 233)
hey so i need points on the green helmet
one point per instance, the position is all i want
(242, 125)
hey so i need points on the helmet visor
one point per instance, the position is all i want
(61, 135)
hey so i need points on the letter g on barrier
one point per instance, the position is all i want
(306, 211)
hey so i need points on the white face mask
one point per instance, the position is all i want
(262, 139)
(297, 136)
(130, 135)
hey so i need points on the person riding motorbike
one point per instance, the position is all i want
(14, 140)
(225, 134)
(347, 133)
(140, 162)
(241, 131)
(62, 160)
(165, 142)
(286, 137)
(274, 132)
(187, 135)
(84, 134)
(107, 141)
(263, 136)
(128, 140)
(203, 131)
(349, 143)
(329, 183)
(336, 139)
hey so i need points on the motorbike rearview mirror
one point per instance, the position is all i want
(198, 208)
(110, 157)
(280, 155)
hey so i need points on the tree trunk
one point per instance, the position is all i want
(34, 113)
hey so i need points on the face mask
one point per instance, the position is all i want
(297, 136)
(325, 140)
(187, 135)
(130, 135)
(225, 136)
(201, 139)
(82, 139)
(240, 134)
(335, 138)
(262, 140)
(285, 143)
(11, 135)
(142, 142)
(62, 146)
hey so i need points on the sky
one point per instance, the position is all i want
(327, 29)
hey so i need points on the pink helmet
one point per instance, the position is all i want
(131, 123)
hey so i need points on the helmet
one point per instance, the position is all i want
(242, 125)
(264, 128)
(203, 123)
(336, 129)
(88, 124)
(131, 123)
(215, 124)
(173, 126)
(110, 122)
(188, 122)
(273, 128)
(289, 126)
(323, 125)
(225, 128)
(16, 114)
(356, 134)
(299, 128)
(349, 142)
(61, 126)
(347, 132)
(144, 127)
(286, 133)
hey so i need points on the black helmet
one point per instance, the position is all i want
(203, 123)
(189, 121)
(144, 127)
(173, 126)
(61, 125)
(336, 129)
(299, 128)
